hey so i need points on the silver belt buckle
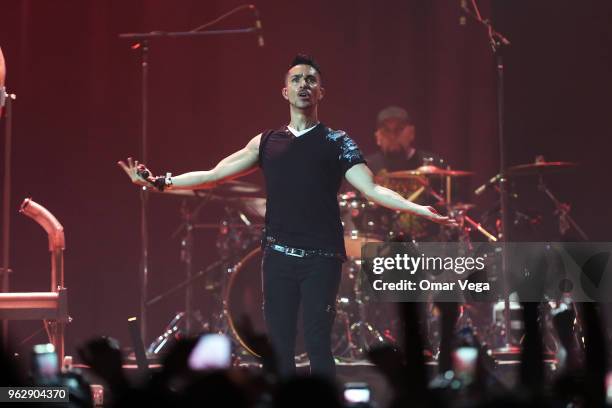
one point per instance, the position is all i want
(278, 248)
(300, 253)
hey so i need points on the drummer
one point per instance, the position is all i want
(395, 134)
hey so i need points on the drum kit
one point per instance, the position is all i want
(234, 282)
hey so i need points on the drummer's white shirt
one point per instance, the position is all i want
(298, 133)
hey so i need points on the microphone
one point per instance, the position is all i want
(159, 182)
(143, 173)
(258, 26)
(486, 185)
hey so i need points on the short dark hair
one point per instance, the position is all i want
(303, 59)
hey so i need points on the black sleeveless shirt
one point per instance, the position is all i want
(303, 175)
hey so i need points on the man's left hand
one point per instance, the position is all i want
(433, 215)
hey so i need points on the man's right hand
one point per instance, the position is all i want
(132, 168)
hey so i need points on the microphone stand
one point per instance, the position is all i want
(142, 44)
(497, 42)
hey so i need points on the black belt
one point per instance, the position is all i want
(302, 253)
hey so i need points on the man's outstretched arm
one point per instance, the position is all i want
(360, 177)
(2, 76)
(238, 164)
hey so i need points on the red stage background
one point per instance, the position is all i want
(78, 108)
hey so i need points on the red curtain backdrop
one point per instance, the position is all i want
(78, 112)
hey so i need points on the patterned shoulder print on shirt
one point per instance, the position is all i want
(349, 150)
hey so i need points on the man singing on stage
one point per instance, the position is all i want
(303, 165)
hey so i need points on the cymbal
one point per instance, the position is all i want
(428, 170)
(403, 175)
(539, 167)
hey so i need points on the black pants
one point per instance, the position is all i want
(287, 281)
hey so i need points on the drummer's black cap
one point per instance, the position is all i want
(303, 59)
(394, 112)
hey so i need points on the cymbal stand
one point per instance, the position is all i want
(362, 332)
(187, 259)
(562, 210)
(187, 226)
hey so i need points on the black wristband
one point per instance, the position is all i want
(160, 183)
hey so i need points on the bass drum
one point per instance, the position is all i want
(244, 298)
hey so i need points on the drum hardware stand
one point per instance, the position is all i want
(186, 257)
(565, 222)
(350, 347)
(445, 198)
(142, 44)
(364, 329)
(218, 323)
(184, 283)
(462, 215)
(173, 328)
(562, 210)
(190, 321)
(171, 331)
(230, 258)
(463, 218)
(360, 333)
